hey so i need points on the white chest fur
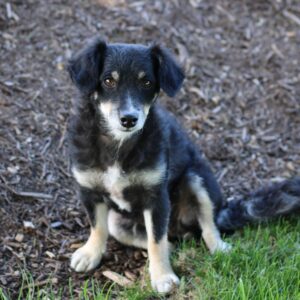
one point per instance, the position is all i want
(114, 180)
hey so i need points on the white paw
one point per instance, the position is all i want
(221, 247)
(86, 258)
(165, 283)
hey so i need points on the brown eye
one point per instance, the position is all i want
(110, 83)
(147, 84)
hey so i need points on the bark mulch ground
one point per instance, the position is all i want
(240, 103)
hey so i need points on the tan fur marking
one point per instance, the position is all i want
(141, 74)
(99, 231)
(159, 256)
(158, 252)
(97, 237)
(115, 75)
(162, 276)
(146, 109)
(89, 255)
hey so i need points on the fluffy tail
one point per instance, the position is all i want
(276, 200)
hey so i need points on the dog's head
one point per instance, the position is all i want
(123, 81)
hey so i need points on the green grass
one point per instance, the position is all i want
(263, 264)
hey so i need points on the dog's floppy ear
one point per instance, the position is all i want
(85, 67)
(170, 74)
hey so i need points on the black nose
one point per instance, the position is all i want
(128, 120)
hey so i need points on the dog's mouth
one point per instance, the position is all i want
(129, 130)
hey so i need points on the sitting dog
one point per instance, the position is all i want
(140, 177)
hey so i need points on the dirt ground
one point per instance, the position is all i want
(240, 103)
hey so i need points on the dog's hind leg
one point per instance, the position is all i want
(205, 216)
(126, 231)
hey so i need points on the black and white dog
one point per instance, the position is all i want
(140, 178)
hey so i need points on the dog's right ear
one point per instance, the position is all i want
(86, 66)
(170, 74)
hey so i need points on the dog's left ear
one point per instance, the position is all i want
(86, 66)
(170, 74)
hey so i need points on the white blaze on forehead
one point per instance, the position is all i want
(115, 75)
(141, 74)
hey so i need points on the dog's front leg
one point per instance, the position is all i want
(162, 276)
(89, 255)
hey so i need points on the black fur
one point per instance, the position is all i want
(89, 199)
(276, 200)
(168, 71)
(86, 66)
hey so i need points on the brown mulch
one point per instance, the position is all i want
(240, 103)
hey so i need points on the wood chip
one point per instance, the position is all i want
(19, 237)
(50, 254)
(145, 254)
(28, 224)
(292, 17)
(198, 92)
(34, 195)
(117, 278)
(130, 275)
(76, 245)
(56, 224)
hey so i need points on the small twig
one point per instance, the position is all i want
(277, 51)
(46, 146)
(5, 89)
(17, 89)
(41, 283)
(226, 13)
(10, 13)
(34, 195)
(62, 139)
(292, 17)
(61, 168)
(35, 96)
(27, 194)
